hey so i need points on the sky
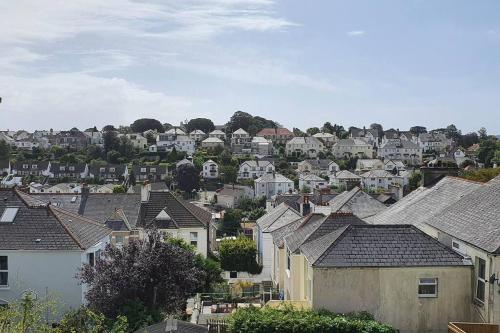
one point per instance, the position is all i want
(301, 63)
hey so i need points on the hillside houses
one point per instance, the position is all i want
(347, 148)
(271, 184)
(307, 146)
(254, 169)
(408, 152)
(317, 166)
(276, 135)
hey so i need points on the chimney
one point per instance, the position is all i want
(145, 189)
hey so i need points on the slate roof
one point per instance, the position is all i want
(273, 178)
(421, 204)
(376, 173)
(161, 170)
(277, 218)
(352, 142)
(182, 214)
(474, 218)
(346, 174)
(400, 144)
(119, 169)
(361, 132)
(305, 140)
(275, 131)
(311, 177)
(212, 140)
(55, 168)
(357, 202)
(382, 246)
(41, 165)
(321, 164)
(279, 234)
(50, 225)
(307, 226)
(181, 327)
(292, 200)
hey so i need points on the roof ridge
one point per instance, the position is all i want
(342, 235)
(82, 217)
(70, 233)
(186, 207)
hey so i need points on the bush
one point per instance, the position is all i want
(481, 175)
(289, 320)
(239, 255)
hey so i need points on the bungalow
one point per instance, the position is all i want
(254, 169)
(304, 146)
(271, 184)
(210, 170)
(347, 148)
(152, 173)
(276, 135)
(177, 218)
(37, 240)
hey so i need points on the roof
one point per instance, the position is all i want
(308, 225)
(274, 131)
(181, 214)
(41, 165)
(358, 202)
(304, 140)
(180, 327)
(424, 137)
(376, 173)
(119, 168)
(55, 168)
(322, 135)
(321, 164)
(217, 132)
(352, 142)
(421, 204)
(345, 174)
(277, 218)
(159, 169)
(474, 218)
(197, 131)
(369, 163)
(240, 131)
(212, 140)
(400, 144)
(291, 199)
(273, 178)
(361, 132)
(280, 233)
(256, 163)
(38, 226)
(381, 246)
(209, 162)
(311, 176)
(183, 161)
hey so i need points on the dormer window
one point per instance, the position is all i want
(111, 169)
(62, 168)
(34, 166)
(9, 214)
(71, 168)
(26, 166)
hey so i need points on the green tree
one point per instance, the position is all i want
(230, 225)
(145, 124)
(4, 150)
(203, 124)
(239, 255)
(228, 173)
(328, 128)
(312, 130)
(84, 320)
(414, 181)
(119, 189)
(483, 134)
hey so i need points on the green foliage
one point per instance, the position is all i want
(145, 124)
(481, 175)
(313, 130)
(4, 150)
(119, 189)
(415, 180)
(249, 123)
(239, 255)
(26, 315)
(289, 320)
(85, 320)
(228, 174)
(488, 151)
(230, 225)
(204, 124)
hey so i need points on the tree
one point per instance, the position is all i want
(453, 133)
(228, 173)
(109, 128)
(111, 141)
(188, 178)
(379, 128)
(298, 132)
(230, 225)
(119, 189)
(328, 128)
(248, 122)
(145, 124)
(417, 130)
(469, 139)
(313, 130)
(113, 157)
(239, 255)
(4, 150)
(88, 321)
(487, 149)
(203, 124)
(483, 134)
(414, 181)
(155, 273)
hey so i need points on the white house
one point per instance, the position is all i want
(261, 146)
(169, 141)
(381, 179)
(42, 247)
(394, 165)
(311, 182)
(137, 140)
(254, 169)
(367, 164)
(210, 170)
(217, 134)
(344, 178)
(197, 135)
(304, 146)
(175, 131)
(271, 184)
(346, 148)
(433, 142)
(240, 141)
(212, 143)
(317, 166)
(408, 152)
(327, 138)
(371, 136)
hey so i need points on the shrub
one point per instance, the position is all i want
(239, 255)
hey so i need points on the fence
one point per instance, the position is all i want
(217, 325)
(472, 328)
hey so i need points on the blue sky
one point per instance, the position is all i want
(400, 63)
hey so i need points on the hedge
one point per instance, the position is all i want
(288, 320)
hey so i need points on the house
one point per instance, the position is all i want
(318, 166)
(367, 164)
(34, 168)
(274, 219)
(301, 202)
(210, 170)
(254, 169)
(137, 140)
(231, 195)
(311, 182)
(271, 184)
(177, 218)
(74, 171)
(93, 137)
(380, 179)
(37, 240)
(38, 188)
(72, 139)
(276, 135)
(197, 135)
(408, 152)
(26, 144)
(357, 202)
(371, 136)
(347, 148)
(328, 139)
(433, 142)
(394, 166)
(152, 173)
(459, 156)
(240, 140)
(168, 141)
(392, 134)
(175, 131)
(212, 143)
(217, 134)
(304, 146)
(110, 173)
(345, 179)
(397, 273)
(60, 188)
(184, 143)
(260, 146)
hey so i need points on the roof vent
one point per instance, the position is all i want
(38, 240)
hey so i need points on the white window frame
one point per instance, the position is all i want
(422, 282)
(193, 238)
(481, 279)
(5, 271)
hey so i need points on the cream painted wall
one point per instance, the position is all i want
(390, 294)
(184, 233)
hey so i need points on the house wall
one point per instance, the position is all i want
(390, 294)
(44, 271)
(184, 233)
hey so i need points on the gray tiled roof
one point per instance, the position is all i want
(474, 218)
(183, 214)
(40, 227)
(358, 202)
(383, 246)
(307, 226)
(279, 234)
(421, 204)
(277, 218)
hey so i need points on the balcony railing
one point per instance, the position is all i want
(472, 328)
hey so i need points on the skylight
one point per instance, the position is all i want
(9, 214)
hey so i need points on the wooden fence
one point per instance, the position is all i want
(217, 325)
(472, 328)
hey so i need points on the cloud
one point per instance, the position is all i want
(58, 101)
(356, 33)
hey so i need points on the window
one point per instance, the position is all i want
(111, 169)
(193, 238)
(143, 170)
(9, 214)
(427, 287)
(288, 263)
(91, 258)
(101, 170)
(119, 240)
(4, 272)
(152, 170)
(480, 279)
(458, 247)
(71, 168)
(233, 275)
(62, 168)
